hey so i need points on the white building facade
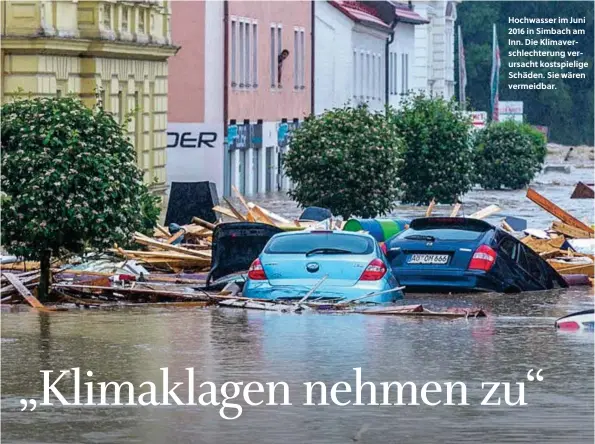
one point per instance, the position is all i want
(433, 63)
(350, 43)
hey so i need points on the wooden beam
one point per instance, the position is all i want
(270, 214)
(225, 212)
(237, 214)
(570, 231)
(486, 212)
(430, 208)
(163, 230)
(24, 292)
(556, 211)
(507, 227)
(261, 215)
(203, 223)
(455, 210)
(168, 247)
(251, 216)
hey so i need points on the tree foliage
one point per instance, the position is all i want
(508, 155)
(437, 154)
(566, 110)
(72, 179)
(346, 160)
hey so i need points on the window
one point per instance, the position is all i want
(273, 58)
(299, 58)
(255, 55)
(362, 72)
(279, 49)
(141, 21)
(107, 16)
(373, 72)
(304, 243)
(278, 55)
(125, 17)
(244, 53)
(395, 73)
(233, 61)
(355, 77)
(404, 73)
(121, 107)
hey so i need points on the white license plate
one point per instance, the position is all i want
(430, 259)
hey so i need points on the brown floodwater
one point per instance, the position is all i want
(224, 344)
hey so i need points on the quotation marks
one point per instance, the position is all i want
(537, 376)
(31, 402)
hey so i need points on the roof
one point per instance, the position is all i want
(406, 15)
(360, 13)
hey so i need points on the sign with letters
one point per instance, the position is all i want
(195, 153)
(510, 111)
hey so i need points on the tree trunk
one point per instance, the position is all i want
(44, 278)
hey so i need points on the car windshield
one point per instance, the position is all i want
(451, 233)
(329, 243)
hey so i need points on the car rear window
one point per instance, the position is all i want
(450, 233)
(303, 243)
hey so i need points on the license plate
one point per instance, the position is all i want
(429, 259)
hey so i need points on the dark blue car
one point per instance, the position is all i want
(450, 254)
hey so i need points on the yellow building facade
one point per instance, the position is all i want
(113, 51)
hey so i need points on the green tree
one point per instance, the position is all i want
(437, 150)
(346, 160)
(72, 179)
(508, 155)
(568, 109)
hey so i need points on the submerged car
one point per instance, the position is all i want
(464, 254)
(352, 265)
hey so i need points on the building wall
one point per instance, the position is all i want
(264, 101)
(401, 61)
(334, 58)
(434, 48)
(368, 73)
(119, 57)
(195, 148)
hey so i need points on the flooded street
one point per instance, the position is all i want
(224, 344)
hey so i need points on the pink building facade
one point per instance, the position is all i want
(240, 83)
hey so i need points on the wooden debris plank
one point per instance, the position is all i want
(161, 245)
(430, 208)
(226, 212)
(556, 211)
(262, 216)
(163, 230)
(577, 269)
(160, 255)
(233, 209)
(204, 223)
(486, 212)
(507, 227)
(273, 216)
(251, 216)
(176, 236)
(196, 295)
(570, 231)
(455, 210)
(24, 292)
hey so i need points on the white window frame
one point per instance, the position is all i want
(355, 76)
(296, 58)
(303, 58)
(233, 62)
(276, 37)
(243, 53)
(255, 54)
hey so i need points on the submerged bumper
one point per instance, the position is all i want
(263, 290)
(447, 280)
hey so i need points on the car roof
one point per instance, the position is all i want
(304, 232)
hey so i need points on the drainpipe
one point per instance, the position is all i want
(389, 40)
(226, 173)
(312, 60)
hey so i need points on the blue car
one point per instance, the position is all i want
(451, 254)
(293, 263)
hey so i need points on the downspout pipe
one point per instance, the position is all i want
(312, 51)
(225, 90)
(389, 41)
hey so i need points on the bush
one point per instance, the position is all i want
(437, 155)
(508, 155)
(73, 181)
(346, 160)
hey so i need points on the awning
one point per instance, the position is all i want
(359, 13)
(407, 15)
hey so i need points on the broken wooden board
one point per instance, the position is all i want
(586, 269)
(251, 216)
(430, 208)
(570, 231)
(262, 216)
(455, 210)
(143, 240)
(273, 216)
(239, 216)
(507, 227)
(486, 212)
(226, 212)
(582, 191)
(543, 245)
(25, 293)
(556, 211)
